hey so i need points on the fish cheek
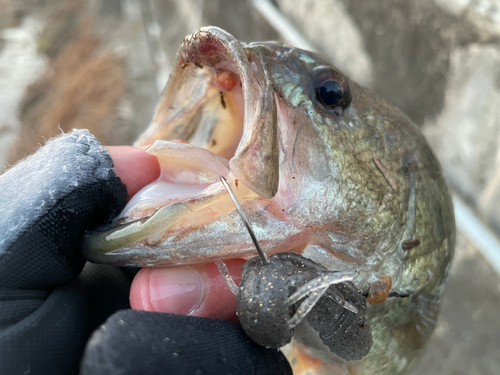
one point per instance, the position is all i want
(304, 152)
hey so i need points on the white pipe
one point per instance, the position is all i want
(281, 24)
(482, 237)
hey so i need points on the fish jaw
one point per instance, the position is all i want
(197, 230)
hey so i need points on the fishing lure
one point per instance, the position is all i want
(278, 293)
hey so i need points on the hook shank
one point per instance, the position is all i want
(262, 255)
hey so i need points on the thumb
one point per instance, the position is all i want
(198, 290)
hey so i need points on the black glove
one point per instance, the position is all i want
(47, 312)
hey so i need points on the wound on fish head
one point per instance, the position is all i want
(278, 293)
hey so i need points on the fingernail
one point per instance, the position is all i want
(175, 290)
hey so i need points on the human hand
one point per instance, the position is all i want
(48, 202)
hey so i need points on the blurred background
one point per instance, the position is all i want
(102, 64)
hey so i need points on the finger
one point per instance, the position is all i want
(135, 167)
(198, 290)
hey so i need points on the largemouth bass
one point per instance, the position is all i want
(322, 168)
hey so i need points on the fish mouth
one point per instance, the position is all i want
(219, 107)
(220, 98)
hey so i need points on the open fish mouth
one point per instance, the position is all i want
(220, 110)
(220, 98)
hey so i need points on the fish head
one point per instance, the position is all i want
(294, 137)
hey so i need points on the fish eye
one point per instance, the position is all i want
(329, 93)
(331, 89)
